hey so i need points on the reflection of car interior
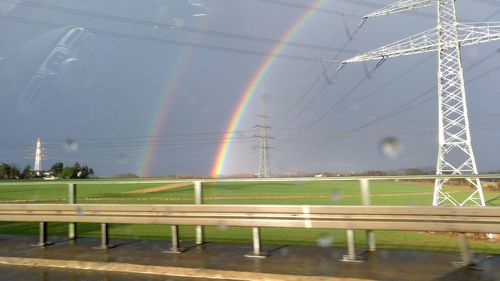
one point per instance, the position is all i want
(62, 67)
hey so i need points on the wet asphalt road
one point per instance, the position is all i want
(23, 273)
(316, 261)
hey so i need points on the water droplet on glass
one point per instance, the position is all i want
(123, 158)
(384, 254)
(336, 195)
(325, 240)
(179, 23)
(80, 212)
(70, 145)
(222, 226)
(390, 147)
(336, 255)
(284, 251)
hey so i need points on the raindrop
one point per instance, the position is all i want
(284, 251)
(384, 254)
(336, 196)
(80, 212)
(390, 147)
(179, 23)
(70, 145)
(336, 255)
(325, 240)
(123, 158)
(222, 226)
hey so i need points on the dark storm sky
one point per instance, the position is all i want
(100, 107)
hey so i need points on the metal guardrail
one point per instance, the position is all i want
(447, 219)
(453, 219)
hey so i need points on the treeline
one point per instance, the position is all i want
(11, 171)
(76, 171)
(58, 170)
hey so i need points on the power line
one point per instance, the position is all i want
(305, 7)
(324, 74)
(410, 104)
(163, 41)
(170, 26)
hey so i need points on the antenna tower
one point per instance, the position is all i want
(264, 168)
(455, 156)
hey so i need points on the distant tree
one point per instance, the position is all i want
(68, 173)
(27, 172)
(127, 175)
(85, 172)
(77, 170)
(57, 169)
(2, 171)
(414, 171)
(6, 171)
(14, 172)
(9, 171)
(374, 173)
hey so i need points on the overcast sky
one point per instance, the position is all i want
(167, 75)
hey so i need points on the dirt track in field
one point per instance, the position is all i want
(156, 189)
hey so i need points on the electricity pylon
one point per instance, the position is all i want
(264, 167)
(38, 156)
(455, 154)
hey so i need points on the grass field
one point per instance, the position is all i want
(312, 193)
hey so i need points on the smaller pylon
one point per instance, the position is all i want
(264, 167)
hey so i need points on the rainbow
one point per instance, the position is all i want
(218, 165)
(150, 151)
(160, 119)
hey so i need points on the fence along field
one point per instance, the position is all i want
(283, 193)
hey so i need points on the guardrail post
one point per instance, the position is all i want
(175, 248)
(351, 250)
(365, 196)
(42, 236)
(256, 253)
(198, 200)
(104, 238)
(72, 200)
(465, 251)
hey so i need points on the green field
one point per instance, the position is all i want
(311, 193)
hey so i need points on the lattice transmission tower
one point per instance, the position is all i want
(264, 166)
(39, 154)
(455, 154)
